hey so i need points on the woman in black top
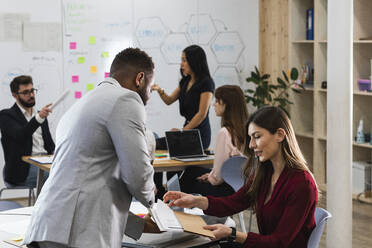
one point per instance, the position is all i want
(194, 92)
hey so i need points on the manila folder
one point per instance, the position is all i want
(193, 224)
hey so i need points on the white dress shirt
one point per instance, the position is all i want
(37, 137)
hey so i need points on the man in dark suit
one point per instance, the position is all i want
(24, 131)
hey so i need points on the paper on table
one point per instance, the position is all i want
(64, 94)
(16, 227)
(43, 160)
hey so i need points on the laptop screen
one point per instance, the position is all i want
(184, 143)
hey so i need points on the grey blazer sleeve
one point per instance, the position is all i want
(126, 126)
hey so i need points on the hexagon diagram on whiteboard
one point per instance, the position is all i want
(173, 46)
(226, 75)
(201, 29)
(8, 77)
(150, 32)
(227, 47)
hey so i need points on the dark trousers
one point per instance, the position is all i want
(189, 184)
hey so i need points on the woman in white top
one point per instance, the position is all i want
(231, 107)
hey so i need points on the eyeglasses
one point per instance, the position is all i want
(28, 92)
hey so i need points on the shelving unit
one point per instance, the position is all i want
(362, 50)
(309, 111)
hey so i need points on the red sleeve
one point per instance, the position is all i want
(229, 205)
(301, 203)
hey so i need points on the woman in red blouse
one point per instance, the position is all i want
(282, 190)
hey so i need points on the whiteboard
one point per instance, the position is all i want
(45, 67)
(93, 31)
(226, 29)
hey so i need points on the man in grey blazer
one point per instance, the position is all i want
(100, 162)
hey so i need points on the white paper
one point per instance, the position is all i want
(43, 160)
(16, 227)
(137, 208)
(165, 217)
(59, 100)
(11, 26)
(42, 36)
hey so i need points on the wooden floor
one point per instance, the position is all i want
(362, 223)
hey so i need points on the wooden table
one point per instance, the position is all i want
(160, 165)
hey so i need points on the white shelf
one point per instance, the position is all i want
(362, 41)
(362, 93)
(303, 41)
(364, 145)
(305, 134)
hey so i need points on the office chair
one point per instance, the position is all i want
(231, 173)
(321, 217)
(8, 205)
(31, 194)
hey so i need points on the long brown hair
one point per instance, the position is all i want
(236, 113)
(271, 119)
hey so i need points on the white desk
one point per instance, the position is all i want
(13, 223)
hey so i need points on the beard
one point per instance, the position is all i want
(28, 104)
(143, 94)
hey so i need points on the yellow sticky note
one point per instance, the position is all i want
(93, 69)
(92, 40)
(81, 60)
(17, 239)
(105, 54)
(90, 87)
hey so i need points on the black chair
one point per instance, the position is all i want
(31, 194)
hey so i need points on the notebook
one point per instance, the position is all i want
(185, 145)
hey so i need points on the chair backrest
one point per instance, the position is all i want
(231, 171)
(321, 216)
(7, 205)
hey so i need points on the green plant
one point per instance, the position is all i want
(266, 93)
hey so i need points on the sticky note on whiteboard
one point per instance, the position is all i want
(77, 94)
(105, 54)
(107, 74)
(72, 45)
(90, 87)
(93, 69)
(75, 79)
(81, 60)
(92, 40)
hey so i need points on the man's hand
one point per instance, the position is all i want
(44, 112)
(150, 226)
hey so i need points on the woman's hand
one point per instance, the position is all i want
(220, 231)
(155, 87)
(175, 129)
(203, 178)
(180, 199)
(184, 200)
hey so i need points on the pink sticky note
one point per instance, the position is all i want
(72, 45)
(77, 94)
(75, 79)
(107, 74)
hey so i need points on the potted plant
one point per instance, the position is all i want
(266, 93)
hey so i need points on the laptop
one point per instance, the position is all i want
(186, 145)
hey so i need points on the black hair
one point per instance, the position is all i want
(130, 62)
(197, 61)
(20, 80)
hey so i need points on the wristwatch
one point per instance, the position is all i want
(232, 236)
